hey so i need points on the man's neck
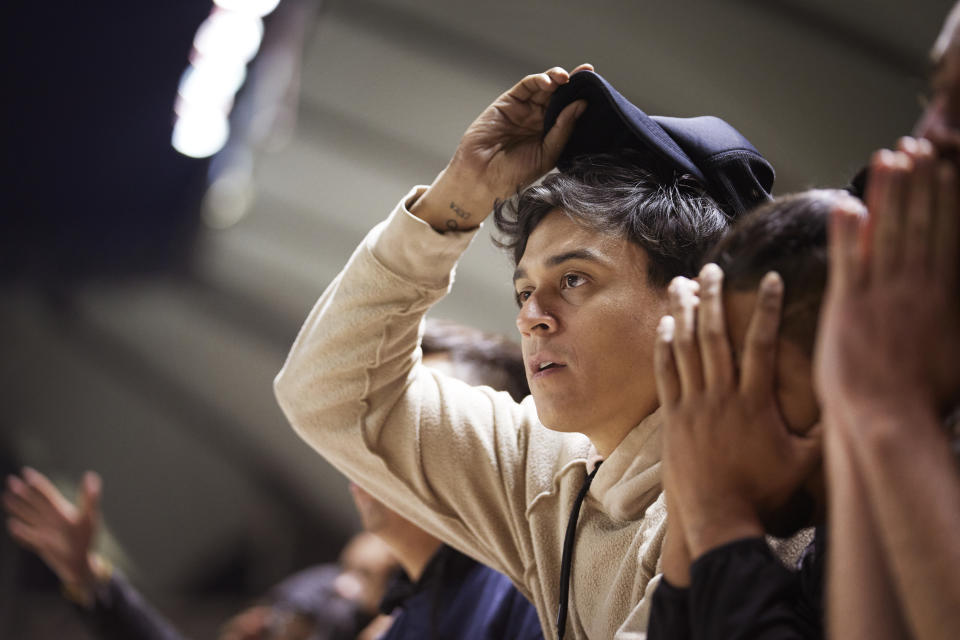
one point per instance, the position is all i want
(609, 438)
(413, 548)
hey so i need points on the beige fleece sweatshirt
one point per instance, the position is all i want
(468, 464)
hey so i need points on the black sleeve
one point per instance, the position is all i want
(741, 590)
(669, 613)
(120, 612)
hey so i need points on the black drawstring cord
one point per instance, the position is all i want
(568, 554)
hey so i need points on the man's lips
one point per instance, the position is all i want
(543, 364)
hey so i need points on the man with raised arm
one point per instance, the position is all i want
(594, 246)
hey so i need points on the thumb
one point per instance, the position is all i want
(88, 499)
(556, 138)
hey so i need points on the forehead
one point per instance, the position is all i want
(559, 235)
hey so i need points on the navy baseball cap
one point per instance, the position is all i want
(730, 168)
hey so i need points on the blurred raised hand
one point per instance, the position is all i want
(62, 533)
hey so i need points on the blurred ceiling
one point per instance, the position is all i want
(157, 372)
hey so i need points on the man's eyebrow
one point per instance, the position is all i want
(560, 258)
(577, 254)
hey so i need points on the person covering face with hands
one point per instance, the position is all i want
(887, 371)
(742, 435)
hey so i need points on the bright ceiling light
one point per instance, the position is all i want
(229, 34)
(212, 82)
(200, 132)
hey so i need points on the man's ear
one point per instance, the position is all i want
(793, 387)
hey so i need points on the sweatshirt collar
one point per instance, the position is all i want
(629, 480)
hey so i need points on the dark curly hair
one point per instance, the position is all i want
(669, 216)
(787, 235)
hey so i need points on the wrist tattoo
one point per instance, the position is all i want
(459, 211)
(452, 225)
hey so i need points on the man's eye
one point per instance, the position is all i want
(572, 280)
(521, 297)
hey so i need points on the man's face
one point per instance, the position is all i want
(940, 121)
(798, 406)
(587, 319)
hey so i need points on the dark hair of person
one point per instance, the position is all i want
(482, 358)
(789, 236)
(671, 217)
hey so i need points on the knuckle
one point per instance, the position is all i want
(684, 338)
(712, 331)
(762, 340)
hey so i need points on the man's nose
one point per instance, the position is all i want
(936, 126)
(537, 315)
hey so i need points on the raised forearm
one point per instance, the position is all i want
(454, 201)
(862, 602)
(913, 485)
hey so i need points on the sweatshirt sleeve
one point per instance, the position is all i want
(741, 590)
(450, 457)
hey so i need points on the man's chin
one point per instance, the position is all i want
(557, 420)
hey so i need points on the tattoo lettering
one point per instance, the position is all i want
(452, 225)
(461, 213)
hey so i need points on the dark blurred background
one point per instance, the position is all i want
(149, 297)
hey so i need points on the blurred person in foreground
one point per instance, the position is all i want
(560, 492)
(888, 374)
(742, 439)
(324, 602)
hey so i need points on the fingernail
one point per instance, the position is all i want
(908, 144)
(710, 273)
(580, 109)
(772, 283)
(665, 328)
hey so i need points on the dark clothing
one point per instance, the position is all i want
(120, 612)
(458, 598)
(741, 590)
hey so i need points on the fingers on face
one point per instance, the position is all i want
(847, 259)
(712, 331)
(885, 200)
(921, 185)
(664, 367)
(947, 226)
(760, 343)
(683, 302)
(913, 203)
